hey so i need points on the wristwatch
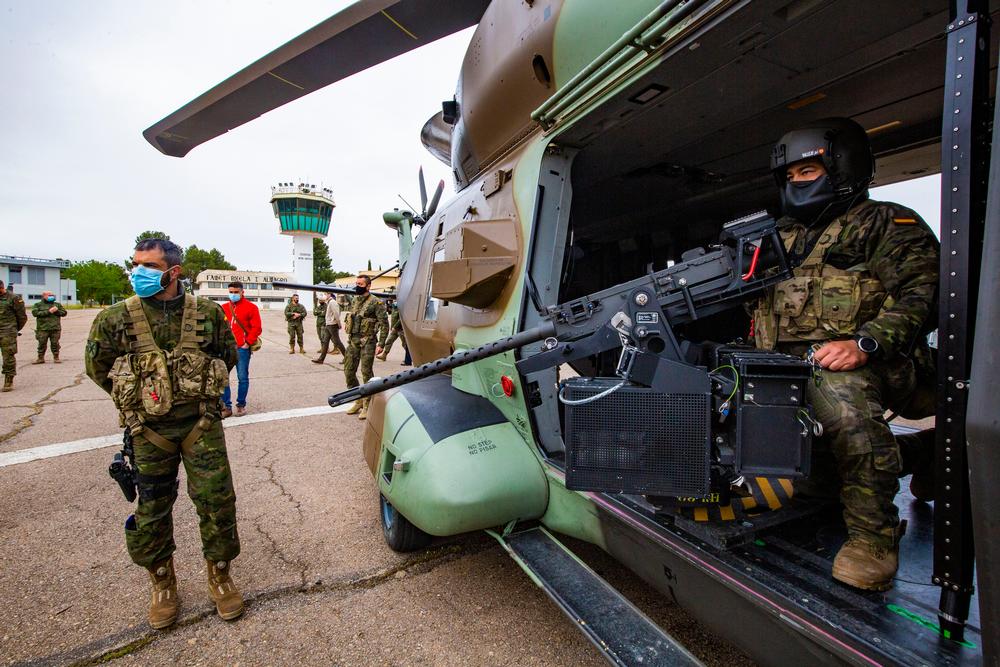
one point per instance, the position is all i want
(867, 344)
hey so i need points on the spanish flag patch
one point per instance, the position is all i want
(905, 221)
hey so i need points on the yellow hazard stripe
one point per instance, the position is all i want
(786, 484)
(772, 498)
(284, 80)
(749, 503)
(727, 514)
(398, 25)
(701, 514)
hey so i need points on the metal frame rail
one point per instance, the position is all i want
(965, 162)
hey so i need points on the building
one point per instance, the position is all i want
(258, 287)
(303, 212)
(385, 283)
(30, 276)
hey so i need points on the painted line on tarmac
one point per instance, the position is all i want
(87, 444)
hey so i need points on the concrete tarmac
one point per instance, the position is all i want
(321, 586)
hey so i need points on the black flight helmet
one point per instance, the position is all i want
(843, 148)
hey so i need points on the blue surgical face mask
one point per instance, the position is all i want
(146, 281)
(50, 299)
(234, 297)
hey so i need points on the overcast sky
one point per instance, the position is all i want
(82, 80)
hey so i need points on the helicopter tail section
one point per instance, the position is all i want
(623, 634)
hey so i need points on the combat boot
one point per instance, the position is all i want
(39, 360)
(302, 350)
(163, 605)
(364, 409)
(8, 383)
(227, 598)
(862, 564)
(55, 358)
(291, 350)
(353, 410)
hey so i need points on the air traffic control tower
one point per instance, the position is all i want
(303, 211)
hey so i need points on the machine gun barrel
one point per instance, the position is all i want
(330, 289)
(460, 358)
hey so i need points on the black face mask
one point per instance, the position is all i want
(809, 201)
(360, 289)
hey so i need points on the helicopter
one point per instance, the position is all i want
(594, 148)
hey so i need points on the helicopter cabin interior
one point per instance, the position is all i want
(659, 168)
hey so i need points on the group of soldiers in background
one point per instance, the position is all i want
(48, 328)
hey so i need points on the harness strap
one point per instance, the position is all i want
(138, 326)
(138, 427)
(192, 326)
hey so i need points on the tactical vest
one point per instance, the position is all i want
(820, 302)
(362, 320)
(149, 382)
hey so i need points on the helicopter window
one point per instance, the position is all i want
(431, 307)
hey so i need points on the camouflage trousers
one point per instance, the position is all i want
(48, 337)
(8, 348)
(393, 335)
(295, 332)
(149, 533)
(360, 352)
(857, 457)
(321, 331)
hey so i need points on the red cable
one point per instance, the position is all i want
(753, 264)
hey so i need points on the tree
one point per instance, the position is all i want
(98, 281)
(369, 265)
(322, 264)
(151, 234)
(197, 260)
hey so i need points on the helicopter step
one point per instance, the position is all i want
(623, 634)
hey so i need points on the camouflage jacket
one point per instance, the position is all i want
(395, 323)
(46, 321)
(871, 272)
(295, 308)
(12, 315)
(108, 339)
(367, 317)
(319, 311)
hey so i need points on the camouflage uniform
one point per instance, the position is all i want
(871, 272)
(395, 331)
(366, 326)
(319, 312)
(295, 329)
(48, 327)
(12, 320)
(149, 532)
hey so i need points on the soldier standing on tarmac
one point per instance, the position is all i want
(859, 305)
(164, 356)
(295, 313)
(12, 320)
(48, 328)
(319, 312)
(366, 326)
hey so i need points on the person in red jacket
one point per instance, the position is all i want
(244, 320)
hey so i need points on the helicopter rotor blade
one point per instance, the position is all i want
(423, 192)
(434, 200)
(365, 34)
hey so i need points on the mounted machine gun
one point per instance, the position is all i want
(662, 427)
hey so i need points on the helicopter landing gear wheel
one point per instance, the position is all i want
(399, 533)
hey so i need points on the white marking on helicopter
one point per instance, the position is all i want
(87, 444)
